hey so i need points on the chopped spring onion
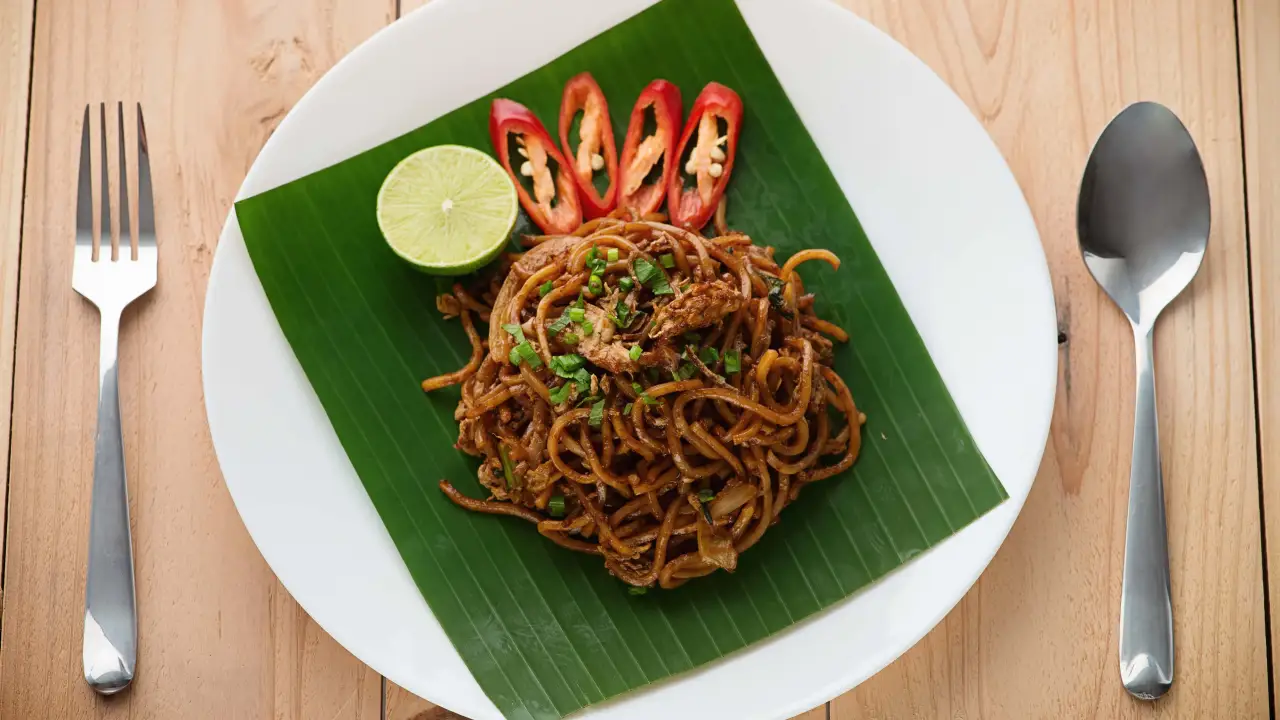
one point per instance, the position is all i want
(560, 395)
(595, 263)
(635, 352)
(668, 260)
(644, 396)
(566, 365)
(545, 288)
(569, 339)
(595, 285)
(612, 255)
(596, 418)
(706, 496)
(652, 277)
(514, 331)
(508, 470)
(559, 325)
(514, 357)
(709, 355)
(685, 371)
(626, 283)
(577, 314)
(555, 506)
(732, 361)
(622, 315)
(528, 355)
(587, 328)
(627, 410)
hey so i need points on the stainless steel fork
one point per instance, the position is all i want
(110, 615)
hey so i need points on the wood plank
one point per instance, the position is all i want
(1036, 638)
(16, 18)
(219, 636)
(1259, 26)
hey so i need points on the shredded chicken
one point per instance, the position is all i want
(703, 304)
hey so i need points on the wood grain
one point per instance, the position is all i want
(219, 636)
(1260, 105)
(16, 18)
(1036, 637)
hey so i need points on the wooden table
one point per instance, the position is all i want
(1035, 638)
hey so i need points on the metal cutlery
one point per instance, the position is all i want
(1143, 225)
(110, 616)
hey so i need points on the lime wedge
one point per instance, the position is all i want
(447, 209)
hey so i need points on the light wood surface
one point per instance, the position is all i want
(219, 637)
(16, 18)
(1260, 96)
(1035, 638)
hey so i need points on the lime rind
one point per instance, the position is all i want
(447, 209)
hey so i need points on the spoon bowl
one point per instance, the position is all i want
(1143, 225)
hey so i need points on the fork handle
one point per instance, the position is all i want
(110, 614)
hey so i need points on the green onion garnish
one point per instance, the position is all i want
(545, 288)
(622, 314)
(644, 396)
(597, 414)
(514, 331)
(595, 263)
(555, 506)
(507, 468)
(612, 255)
(652, 277)
(560, 395)
(626, 283)
(577, 314)
(706, 496)
(709, 355)
(559, 325)
(635, 352)
(668, 260)
(595, 285)
(569, 339)
(685, 371)
(528, 355)
(732, 361)
(627, 410)
(566, 365)
(587, 329)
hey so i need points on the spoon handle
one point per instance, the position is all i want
(1146, 612)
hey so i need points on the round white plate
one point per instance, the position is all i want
(941, 208)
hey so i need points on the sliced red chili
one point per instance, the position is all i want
(554, 204)
(648, 158)
(597, 152)
(709, 161)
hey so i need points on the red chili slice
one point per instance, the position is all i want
(708, 164)
(640, 155)
(554, 205)
(595, 143)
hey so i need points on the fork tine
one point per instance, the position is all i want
(146, 208)
(104, 242)
(84, 196)
(126, 237)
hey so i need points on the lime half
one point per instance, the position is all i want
(447, 209)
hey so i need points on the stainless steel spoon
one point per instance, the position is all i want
(1143, 224)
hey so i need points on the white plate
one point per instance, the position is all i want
(941, 208)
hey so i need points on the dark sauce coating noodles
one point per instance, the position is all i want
(660, 416)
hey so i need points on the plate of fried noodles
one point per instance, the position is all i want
(685, 374)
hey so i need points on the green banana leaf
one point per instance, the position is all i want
(546, 631)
